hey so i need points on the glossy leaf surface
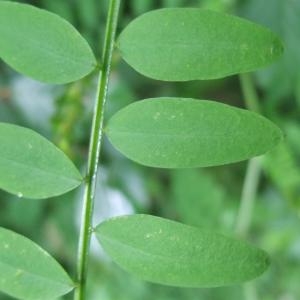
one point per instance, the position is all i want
(31, 166)
(27, 271)
(42, 45)
(171, 253)
(183, 133)
(180, 44)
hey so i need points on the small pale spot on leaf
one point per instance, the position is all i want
(19, 272)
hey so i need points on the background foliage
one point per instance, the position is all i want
(203, 197)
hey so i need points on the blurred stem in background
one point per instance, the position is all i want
(94, 151)
(248, 196)
(249, 93)
(251, 181)
(253, 171)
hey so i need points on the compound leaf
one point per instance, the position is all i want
(183, 133)
(27, 271)
(167, 252)
(42, 45)
(180, 44)
(31, 166)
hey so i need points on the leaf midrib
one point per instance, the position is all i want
(183, 135)
(40, 276)
(39, 170)
(52, 52)
(139, 250)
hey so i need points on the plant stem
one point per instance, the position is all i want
(248, 196)
(250, 291)
(94, 150)
(251, 181)
(254, 165)
(250, 95)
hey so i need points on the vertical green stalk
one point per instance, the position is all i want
(254, 165)
(248, 196)
(94, 150)
(249, 93)
(251, 181)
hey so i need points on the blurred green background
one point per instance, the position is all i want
(208, 197)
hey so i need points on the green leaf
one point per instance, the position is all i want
(31, 166)
(180, 44)
(183, 133)
(171, 253)
(28, 272)
(42, 45)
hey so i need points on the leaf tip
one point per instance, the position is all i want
(263, 263)
(278, 136)
(277, 47)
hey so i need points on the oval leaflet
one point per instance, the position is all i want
(29, 272)
(180, 44)
(42, 45)
(167, 252)
(186, 133)
(32, 167)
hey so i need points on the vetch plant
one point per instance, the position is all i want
(177, 44)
